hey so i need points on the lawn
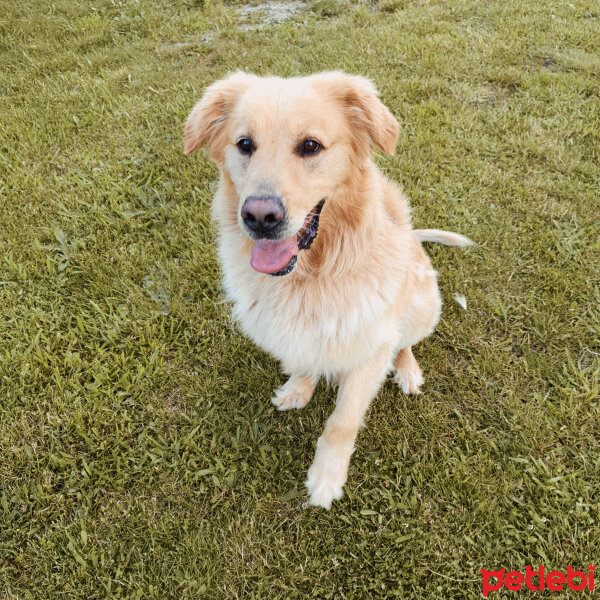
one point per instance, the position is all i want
(141, 457)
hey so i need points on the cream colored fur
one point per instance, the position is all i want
(365, 291)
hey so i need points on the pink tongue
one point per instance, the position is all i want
(269, 256)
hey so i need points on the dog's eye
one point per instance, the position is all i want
(246, 146)
(308, 147)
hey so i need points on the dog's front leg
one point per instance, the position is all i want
(295, 393)
(327, 474)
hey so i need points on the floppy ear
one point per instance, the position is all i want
(365, 112)
(205, 125)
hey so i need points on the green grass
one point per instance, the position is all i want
(141, 457)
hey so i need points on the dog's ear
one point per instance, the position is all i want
(365, 112)
(205, 125)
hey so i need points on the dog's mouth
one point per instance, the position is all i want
(278, 257)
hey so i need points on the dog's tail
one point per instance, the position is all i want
(448, 238)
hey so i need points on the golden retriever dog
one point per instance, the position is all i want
(316, 246)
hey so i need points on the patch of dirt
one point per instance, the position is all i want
(268, 13)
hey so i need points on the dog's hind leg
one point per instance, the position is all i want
(407, 372)
(422, 316)
(296, 392)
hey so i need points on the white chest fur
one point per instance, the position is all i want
(319, 327)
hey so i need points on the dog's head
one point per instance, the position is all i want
(287, 145)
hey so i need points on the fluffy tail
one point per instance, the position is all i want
(447, 238)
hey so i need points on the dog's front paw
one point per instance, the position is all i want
(286, 399)
(295, 393)
(325, 483)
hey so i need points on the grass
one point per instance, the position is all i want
(141, 457)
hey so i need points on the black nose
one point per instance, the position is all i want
(262, 214)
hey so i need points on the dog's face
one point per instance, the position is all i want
(287, 145)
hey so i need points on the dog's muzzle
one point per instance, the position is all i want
(279, 257)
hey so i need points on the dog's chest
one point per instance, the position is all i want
(321, 327)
